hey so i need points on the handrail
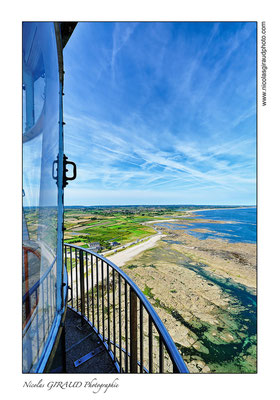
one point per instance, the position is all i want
(26, 298)
(34, 289)
(38, 283)
(41, 323)
(135, 323)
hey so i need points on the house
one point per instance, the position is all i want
(95, 246)
(114, 243)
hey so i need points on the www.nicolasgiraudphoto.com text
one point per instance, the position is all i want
(263, 65)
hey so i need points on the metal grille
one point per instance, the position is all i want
(120, 314)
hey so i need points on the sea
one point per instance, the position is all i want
(233, 224)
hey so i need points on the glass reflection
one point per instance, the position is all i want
(40, 150)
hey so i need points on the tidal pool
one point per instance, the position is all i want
(239, 321)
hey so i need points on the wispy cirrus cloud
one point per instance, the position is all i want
(121, 35)
(170, 112)
(139, 163)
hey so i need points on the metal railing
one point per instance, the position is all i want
(120, 314)
(39, 308)
(27, 298)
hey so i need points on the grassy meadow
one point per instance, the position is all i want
(105, 225)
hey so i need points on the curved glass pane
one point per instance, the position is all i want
(40, 196)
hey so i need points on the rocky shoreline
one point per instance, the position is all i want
(205, 293)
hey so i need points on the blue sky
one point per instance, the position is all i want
(161, 113)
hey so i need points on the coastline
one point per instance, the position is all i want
(122, 257)
(205, 292)
(220, 208)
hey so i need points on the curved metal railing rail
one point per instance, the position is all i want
(38, 316)
(120, 314)
(26, 300)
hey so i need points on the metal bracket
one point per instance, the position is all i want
(68, 178)
(88, 356)
(55, 162)
(65, 177)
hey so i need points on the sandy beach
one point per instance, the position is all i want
(126, 255)
(205, 293)
(214, 209)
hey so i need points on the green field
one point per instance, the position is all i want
(84, 225)
(120, 224)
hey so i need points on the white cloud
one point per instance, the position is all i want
(188, 141)
(121, 35)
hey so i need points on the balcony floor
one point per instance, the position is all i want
(80, 341)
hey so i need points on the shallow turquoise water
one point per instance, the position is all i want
(240, 225)
(238, 355)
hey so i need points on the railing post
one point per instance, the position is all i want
(133, 331)
(127, 318)
(82, 285)
(150, 344)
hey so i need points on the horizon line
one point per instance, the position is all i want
(147, 205)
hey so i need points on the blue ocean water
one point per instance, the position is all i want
(240, 224)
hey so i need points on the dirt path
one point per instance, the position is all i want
(119, 259)
(124, 256)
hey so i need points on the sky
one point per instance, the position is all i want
(161, 113)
